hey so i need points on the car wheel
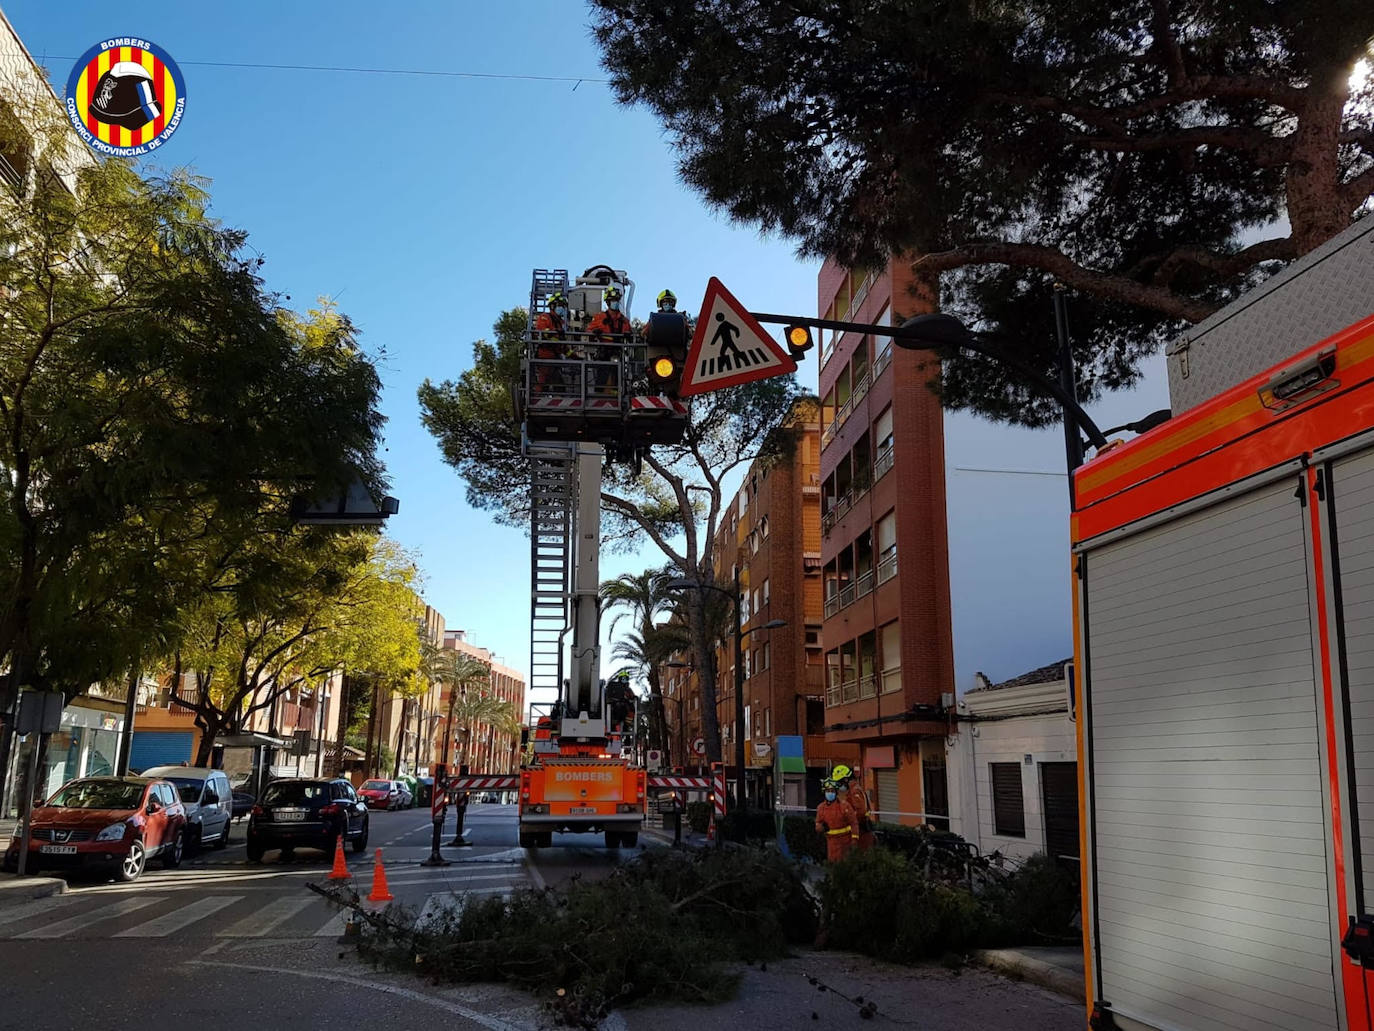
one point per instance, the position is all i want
(360, 842)
(223, 838)
(195, 840)
(255, 851)
(288, 853)
(171, 855)
(131, 866)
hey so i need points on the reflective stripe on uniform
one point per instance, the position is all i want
(842, 830)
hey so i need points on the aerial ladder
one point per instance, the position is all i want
(584, 402)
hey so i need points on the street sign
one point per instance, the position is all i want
(39, 711)
(699, 746)
(729, 347)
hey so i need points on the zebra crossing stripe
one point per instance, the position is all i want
(24, 910)
(77, 923)
(161, 926)
(335, 927)
(266, 919)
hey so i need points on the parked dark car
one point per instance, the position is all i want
(112, 824)
(243, 804)
(309, 813)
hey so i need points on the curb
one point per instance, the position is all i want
(12, 886)
(1027, 968)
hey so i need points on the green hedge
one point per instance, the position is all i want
(699, 816)
(803, 840)
(885, 904)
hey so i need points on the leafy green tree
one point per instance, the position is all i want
(678, 500)
(645, 597)
(1155, 156)
(291, 612)
(152, 395)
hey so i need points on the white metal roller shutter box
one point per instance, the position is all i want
(1212, 903)
(1353, 482)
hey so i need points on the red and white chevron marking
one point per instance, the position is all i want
(647, 403)
(484, 783)
(696, 783)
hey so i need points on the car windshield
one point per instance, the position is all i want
(189, 790)
(98, 794)
(293, 793)
(377, 785)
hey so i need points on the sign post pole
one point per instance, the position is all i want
(40, 714)
(460, 807)
(437, 803)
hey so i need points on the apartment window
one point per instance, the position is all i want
(763, 528)
(767, 722)
(1008, 808)
(757, 598)
(882, 430)
(765, 591)
(764, 654)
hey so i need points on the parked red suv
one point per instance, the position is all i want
(113, 823)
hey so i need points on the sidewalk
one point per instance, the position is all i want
(1058, 968)
(16, 889)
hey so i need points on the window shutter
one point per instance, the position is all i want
(1008, 810)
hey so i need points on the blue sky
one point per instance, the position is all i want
(421, 203)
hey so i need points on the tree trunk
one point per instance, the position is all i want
(658, 724)
(705, 656)
(1312, 180)
(400, 739)
(368, 754)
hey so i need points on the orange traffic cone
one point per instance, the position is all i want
(380, 892)
(340, 871)
(711, 829)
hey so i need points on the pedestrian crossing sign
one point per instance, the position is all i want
(729, 347)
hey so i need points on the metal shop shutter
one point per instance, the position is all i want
(886, 783)
(1008, 804)
(1059, 792)
(159, 748)
(1353, 501)
(1211, 888)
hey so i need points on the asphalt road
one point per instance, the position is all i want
(222, 942)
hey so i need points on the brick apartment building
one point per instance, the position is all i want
(771, 531)
(887, 632)
(490, 750)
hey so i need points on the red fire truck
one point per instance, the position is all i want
(1224, 607)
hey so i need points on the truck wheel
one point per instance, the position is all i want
(529, 840)
(612, 839)
(545, 839)
(630, 839)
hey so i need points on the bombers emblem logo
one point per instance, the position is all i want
(125, 96)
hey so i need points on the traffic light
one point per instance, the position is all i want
(798, 337)
(666, 338)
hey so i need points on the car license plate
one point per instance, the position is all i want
(57, 850)
(583, 810)
(290, 815)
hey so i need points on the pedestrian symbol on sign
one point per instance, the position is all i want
(729, 347)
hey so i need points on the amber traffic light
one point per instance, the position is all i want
(798, 339)
(666, 338)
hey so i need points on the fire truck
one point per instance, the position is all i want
(584, 401)
(1224, 639)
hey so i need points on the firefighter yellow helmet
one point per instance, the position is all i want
(840, 774)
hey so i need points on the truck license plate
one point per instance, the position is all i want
(57, 850)
(582, 810)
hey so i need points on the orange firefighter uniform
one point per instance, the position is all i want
(863, 814)
(836, 820)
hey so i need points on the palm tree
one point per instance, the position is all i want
(471, 701)
(644, 597)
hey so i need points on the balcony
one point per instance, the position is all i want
(852, 689)
(844, 411)
(880, 363)
(849, 594)
(861, 486)
(882, 463)
(887, 565)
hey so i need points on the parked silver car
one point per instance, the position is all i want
(208, 799)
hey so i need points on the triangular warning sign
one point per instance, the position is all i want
(729, 347)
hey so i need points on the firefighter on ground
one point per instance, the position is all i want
(550, 328)
(858, 800)
(836, 820)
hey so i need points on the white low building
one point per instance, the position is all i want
(1012, 766)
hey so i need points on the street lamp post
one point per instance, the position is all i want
(741, 799)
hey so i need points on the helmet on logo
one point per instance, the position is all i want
(124, 96)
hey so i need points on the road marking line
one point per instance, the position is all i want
(483, 1019)
(33, 907)
(265, 919)
(534, 874)
(335, 927)
(161, 926)
(95, 916)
